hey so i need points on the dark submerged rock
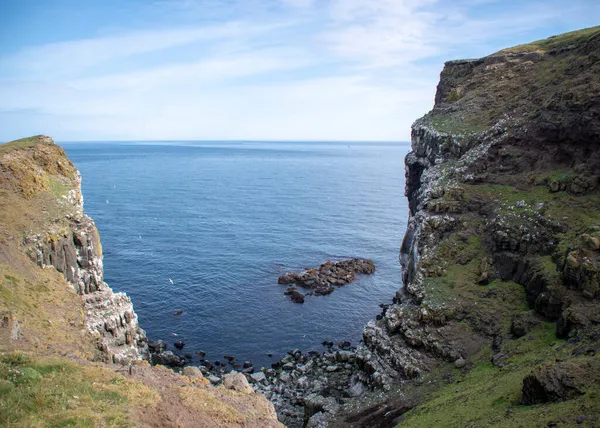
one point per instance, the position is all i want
(295, 296)
(157, 346)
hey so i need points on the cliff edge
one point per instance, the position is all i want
(498, 322)
(71, 349)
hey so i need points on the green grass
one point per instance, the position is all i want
(56, 392)
(57, 187)
(555, 42)
(491, 396)
(522, 88)
(581, 212)
(559, 175)
(546, 267)
(453, 124)
(20, 144)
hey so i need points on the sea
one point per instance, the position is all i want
(207, 227)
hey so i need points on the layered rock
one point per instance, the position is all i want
(503, 187)
(67, 240)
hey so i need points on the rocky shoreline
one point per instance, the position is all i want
(303, 386)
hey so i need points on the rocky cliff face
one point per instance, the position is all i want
(76, 252)
(67, 240)
(58, 318)
(502, 242)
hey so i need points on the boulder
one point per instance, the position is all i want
(157, 346)
(523, 323)
(237, 382)
(193, 372)
(553, 382)
(314, 403)
(460, 363)
(295, 296)
(167, 358)
(258, 377)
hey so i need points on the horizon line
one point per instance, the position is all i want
(232, 141)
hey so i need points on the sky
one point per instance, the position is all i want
(349, 70)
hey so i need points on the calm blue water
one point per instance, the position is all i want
(223, 220)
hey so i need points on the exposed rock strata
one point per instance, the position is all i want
(503, 187)
(70, 244)
(450, 176)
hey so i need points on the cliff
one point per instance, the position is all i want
(68, 343)
(498, 320)
(43, 218)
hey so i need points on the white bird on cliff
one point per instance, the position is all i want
(170, 280)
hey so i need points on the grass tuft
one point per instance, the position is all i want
(37, 391)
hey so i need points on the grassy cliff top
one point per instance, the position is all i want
(24, 143)
(39, 186)
(550, 83)
(35, 164)
(560, 41)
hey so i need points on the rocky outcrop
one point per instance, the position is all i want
(553, 382)
(77, 254)
(479, 137)
(323, 280)
(68, 241)
(502, 181)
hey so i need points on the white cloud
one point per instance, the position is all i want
(72, 57)
(206, 71)
(305, 69)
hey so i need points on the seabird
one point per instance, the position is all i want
(170, 280)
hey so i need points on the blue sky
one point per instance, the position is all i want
(247, 69)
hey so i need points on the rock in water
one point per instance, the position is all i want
(323, 280)
(167, 358)
(295, 296)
